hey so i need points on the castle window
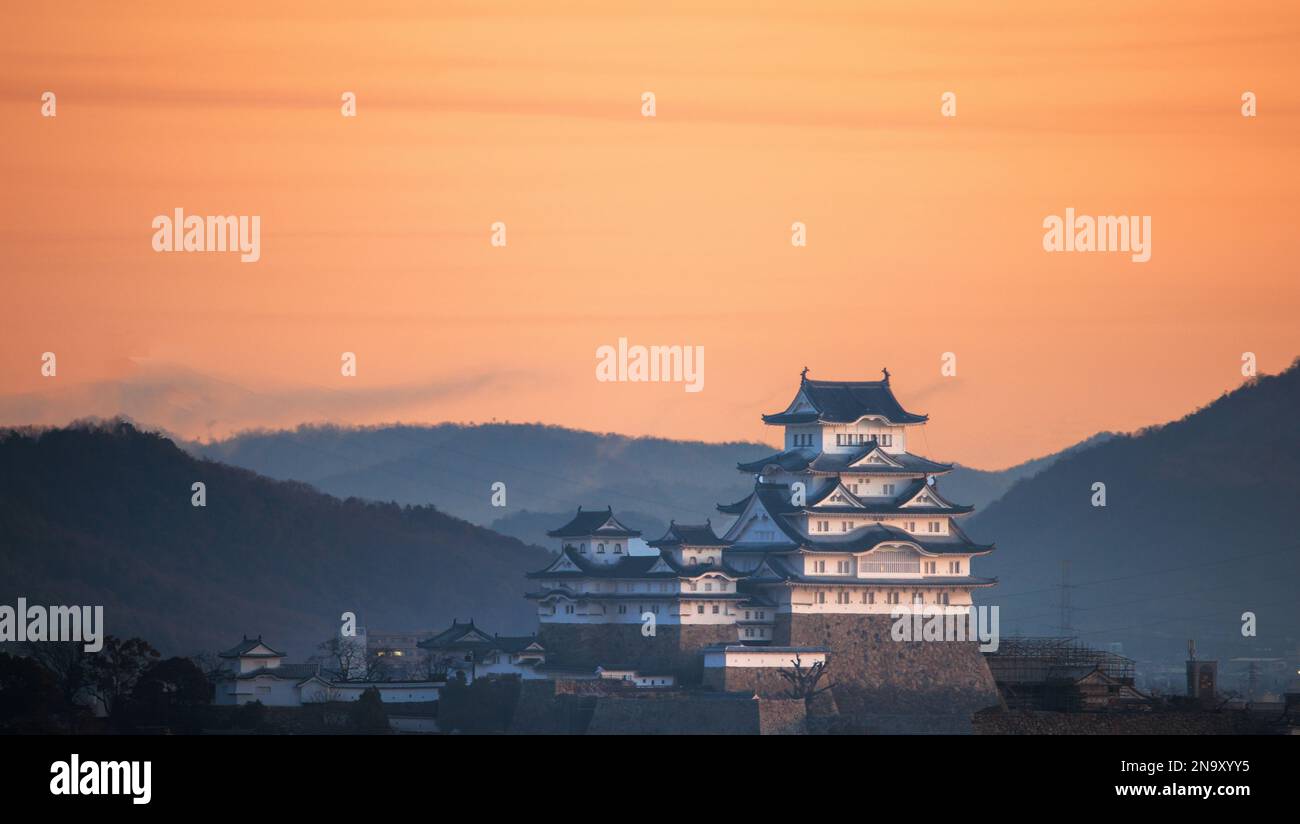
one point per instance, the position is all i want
(600, 549)
(868, 597)
(934, 526)
(930, 567)
(654, 608)
(694, 561)
(841, 597)
(568, 609)
(918, 598)
(618, 549)
(893, 598)
(583, 549)
(700, 609)
(708, 587)
(911, 526)
(715, 609)
(708, 560)
(819, 566)
(887, 489)
(886, 440)
(823, 526)
(622, 609)
(943, 599)
(821, 597)
(693, 586)
(746, 615)
(955, 567)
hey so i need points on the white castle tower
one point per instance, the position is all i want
(845, 525)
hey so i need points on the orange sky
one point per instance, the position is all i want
(924, 232)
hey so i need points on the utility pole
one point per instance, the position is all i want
(1066, 628)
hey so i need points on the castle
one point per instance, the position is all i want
(844, 526)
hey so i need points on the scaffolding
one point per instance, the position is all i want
(1041, 672)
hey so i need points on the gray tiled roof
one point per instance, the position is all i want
(846, 402)
(594, 522)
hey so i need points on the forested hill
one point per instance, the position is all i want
(102, 514)
(1198, 527)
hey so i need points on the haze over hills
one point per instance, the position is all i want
(549, 471)
(102, 514)
(1198, 528)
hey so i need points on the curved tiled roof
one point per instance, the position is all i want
(633, 566)
(689, 535)
(846, 402)
(241, 649)
(798, 460)
(600, 522)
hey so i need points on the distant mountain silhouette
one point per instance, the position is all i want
(981, 487)
(102, 514)
(548, 471)
(1199, 527)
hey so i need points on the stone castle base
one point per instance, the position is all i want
(893, 686)
(672, 650)
(879, 684)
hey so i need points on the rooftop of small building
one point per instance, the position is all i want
(244, 647)
(701, 535)
(594, 522)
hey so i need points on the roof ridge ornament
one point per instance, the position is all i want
(803, 376)
(885, 372)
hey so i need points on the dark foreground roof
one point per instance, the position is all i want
(242, 648)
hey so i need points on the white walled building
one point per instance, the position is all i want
(843, 520)
(258, 673)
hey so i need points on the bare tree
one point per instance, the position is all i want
(347, 657)
(213, 667)
(803, 680)
(67, 661)
(436, 666)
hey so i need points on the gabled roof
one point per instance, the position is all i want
(244, 649)
(469, 637)
(773, 500)
(843, 402)
(864, 539)
(599, 522)
(660, 566)
(456, 633)
(689, 535)
(834, 463)
(917, 498)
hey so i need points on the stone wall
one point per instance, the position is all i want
(673, 649)
(893, 686)
(763, 681)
